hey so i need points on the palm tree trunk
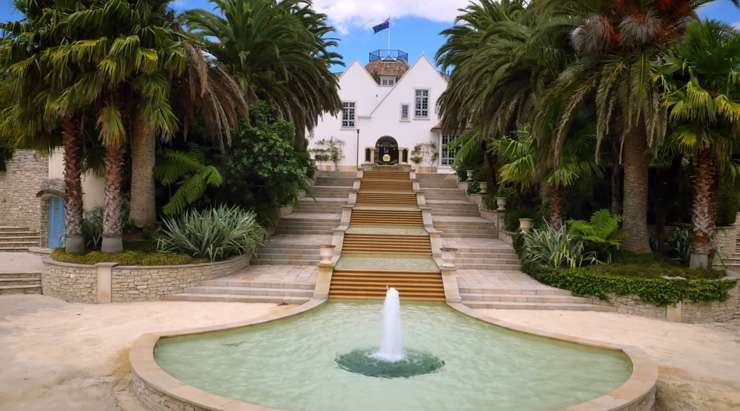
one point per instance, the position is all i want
(112, 227)
(73, 241)
(143, 159)
(555, 205)
(702, 219)
(636, 175)
(616, 188)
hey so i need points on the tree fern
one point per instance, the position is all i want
(187, 171)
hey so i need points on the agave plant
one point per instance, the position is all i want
(555, 248)
(216, 234)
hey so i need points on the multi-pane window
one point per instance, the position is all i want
(447, 157)
(404, 111)
(387, 81)
(422, 104)
(348, 114)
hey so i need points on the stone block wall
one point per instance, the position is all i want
(78, 283)
(725, 238)
(686, 312)
(19, 185)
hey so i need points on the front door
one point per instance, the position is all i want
(386, 151)
(56, 222)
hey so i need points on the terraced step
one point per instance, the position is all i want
(537, 306)
(327, 181)
(436, 181)
(386, 185)
(386, 217)
(444, 194)
(386, 175)
(267, 260)
(386, 244)
(307, 205)
(236, 298)
(254, 291)
(20, 283)
(386, 198)
(368, 284)
(330, 191)
(517, 298)
(12, 228)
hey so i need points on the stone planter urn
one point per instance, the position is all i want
(326, 251)
(525, 224)
(470, 175)
(483, 187)
(448, 256)
(501, 203)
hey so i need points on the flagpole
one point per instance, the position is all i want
(389, 33)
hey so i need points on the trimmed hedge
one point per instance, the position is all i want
(142, 258)
(586, 281)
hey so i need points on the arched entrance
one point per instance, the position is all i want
(386, 146)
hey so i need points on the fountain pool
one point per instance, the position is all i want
(293, 363)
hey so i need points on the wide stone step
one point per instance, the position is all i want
(230, 282)
(489, 267)
(231, 298)
(265, 292)
(514, 291)
(25, 281)
(330, 192)
(469, 235)
(537, 306)
(290, 252)
(344, 182)
(19, 289)
(304, 231)
(12, 228)
(486, 260)
(514, 298)
(286, 261)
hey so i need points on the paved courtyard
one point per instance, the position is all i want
(699, 364)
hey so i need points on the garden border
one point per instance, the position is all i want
(109, 282)
(159, 391)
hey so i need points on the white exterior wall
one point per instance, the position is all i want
(93, 186)
(379, 112)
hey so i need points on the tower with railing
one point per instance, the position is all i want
(388, 66)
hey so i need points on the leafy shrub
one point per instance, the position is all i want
(474, 188)
(92, 228)
(129, 257)
(600, 234)
(187, 171)
(216, 234)
(553, 247)
(6, 152)
(680, 243)
(328, 150)
(589, 281)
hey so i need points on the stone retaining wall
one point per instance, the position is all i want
(686, 312)
(18, 188)
(79, 283)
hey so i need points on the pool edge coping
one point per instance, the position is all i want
(640, 385)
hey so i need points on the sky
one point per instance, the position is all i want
(415, 24)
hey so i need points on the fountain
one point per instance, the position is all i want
(391, 360)
(391, 345)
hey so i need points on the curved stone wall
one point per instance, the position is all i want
(119, 284)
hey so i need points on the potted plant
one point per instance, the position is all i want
(525, 224)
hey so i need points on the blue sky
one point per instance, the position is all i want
(415, 28)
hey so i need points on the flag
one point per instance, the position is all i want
(382, 26)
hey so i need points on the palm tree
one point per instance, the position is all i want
(278, 51)
(617, 42)
(701, 77)
(34, 83)
(202, 88)
(499, 64)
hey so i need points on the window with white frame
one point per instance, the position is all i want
(447, 156)
(421, 109)
(348, 114)
(387, 81)
(404, 111)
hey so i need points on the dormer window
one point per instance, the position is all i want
(387, 81)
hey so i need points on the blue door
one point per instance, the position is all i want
(56, 222)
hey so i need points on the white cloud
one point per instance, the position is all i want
(737, 25)
(344, 14)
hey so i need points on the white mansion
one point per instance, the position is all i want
(389, 114)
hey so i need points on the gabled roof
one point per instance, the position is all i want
(411, 69)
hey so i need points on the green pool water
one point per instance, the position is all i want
(291, 363)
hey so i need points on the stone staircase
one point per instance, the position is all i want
(20, 283)
(246, 291)
(18, 238)
(488, 269)
(386, 244)
(519, 299)
(293, 247)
